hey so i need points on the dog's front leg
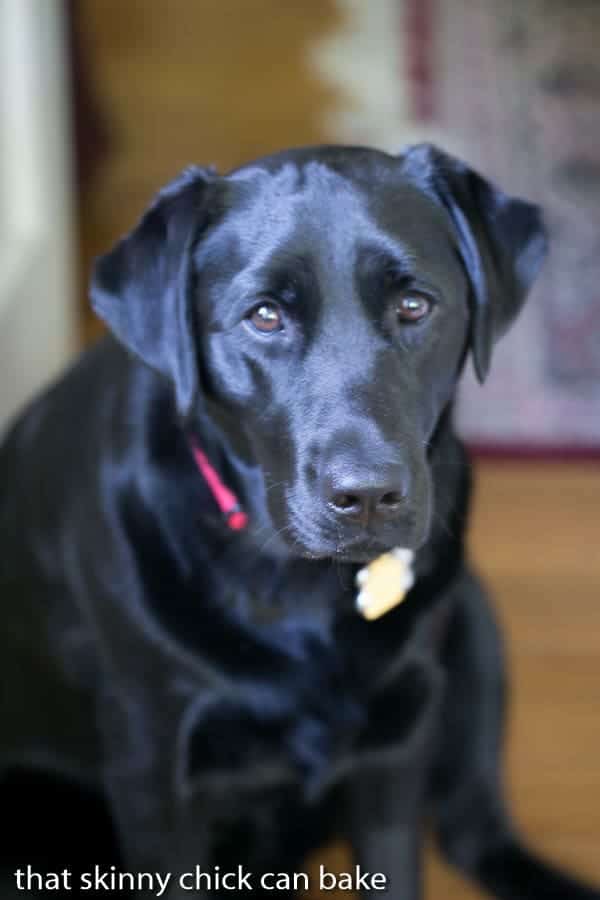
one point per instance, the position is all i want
(158, 831)
(191, 852)
(386, 831)
(387, 779)
(160, 835)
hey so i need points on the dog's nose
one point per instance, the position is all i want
(366, 499)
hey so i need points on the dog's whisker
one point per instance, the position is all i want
(273, 536)
(272, 487)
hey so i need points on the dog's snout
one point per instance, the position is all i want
(369, 498)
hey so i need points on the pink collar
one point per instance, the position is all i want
(227, 502)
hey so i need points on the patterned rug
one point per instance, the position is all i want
(513, 88)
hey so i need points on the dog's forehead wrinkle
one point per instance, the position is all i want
(313, 199)
(313, 217)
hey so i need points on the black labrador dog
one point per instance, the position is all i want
(182, 517)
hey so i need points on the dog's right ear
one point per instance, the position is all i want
(141, 288)
(502, 240)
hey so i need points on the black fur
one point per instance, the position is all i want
(219, 688)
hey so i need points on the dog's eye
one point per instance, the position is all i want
(412, 308)
(266, 318)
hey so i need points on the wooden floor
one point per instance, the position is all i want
(220, 82)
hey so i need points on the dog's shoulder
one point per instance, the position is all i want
(77, 411)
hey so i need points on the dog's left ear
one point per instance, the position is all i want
(502, 242)
(141, 288)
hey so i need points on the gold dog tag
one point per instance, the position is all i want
(384, 583)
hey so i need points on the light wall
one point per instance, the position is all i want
(37, 260)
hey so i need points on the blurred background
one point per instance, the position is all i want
(102, 101)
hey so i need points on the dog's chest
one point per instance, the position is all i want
(337, 705)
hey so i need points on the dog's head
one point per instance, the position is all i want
(317, 307)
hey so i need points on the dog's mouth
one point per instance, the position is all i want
(353, 553)
(359, 550)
